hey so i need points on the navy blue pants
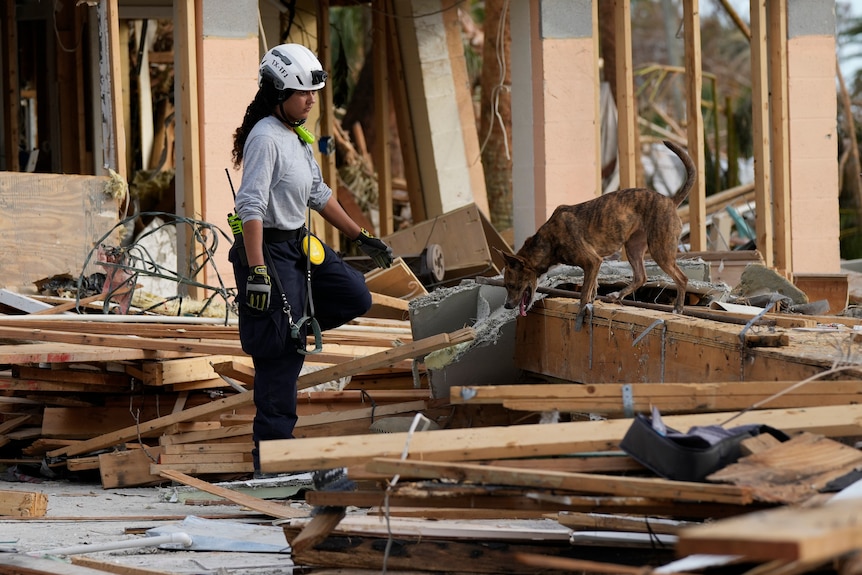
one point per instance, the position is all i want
(339, 295)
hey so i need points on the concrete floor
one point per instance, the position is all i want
(85, 514)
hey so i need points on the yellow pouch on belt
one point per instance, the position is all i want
(316, 253)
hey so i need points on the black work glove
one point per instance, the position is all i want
(257, 288)
(373, 247)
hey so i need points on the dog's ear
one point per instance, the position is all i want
(512, 260)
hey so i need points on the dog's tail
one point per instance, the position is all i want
(690, 172)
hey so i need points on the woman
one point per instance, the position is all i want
(281, 182)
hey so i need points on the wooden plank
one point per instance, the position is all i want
(210, 448)
(270, 508)
(791, 533)
(760, 132)
(780, 134)
(694, 131)
(23, 564)
(30, 385)
(69, 353)
(626, 122)
(209, 468)
(88, 376)
(196, 458)
(397, 281)
(537, 440)
(425, 496)
(23, 503)
(576, 482)
(116, 568)
(630, 523)
(128, 468)
(122, 341)
(388, 307)
(607, 398)
(230, 432)
(415, 349)
(185, 369)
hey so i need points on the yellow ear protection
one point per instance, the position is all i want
(313, 249)
(304, 134)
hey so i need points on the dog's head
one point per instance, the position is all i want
(520, 281)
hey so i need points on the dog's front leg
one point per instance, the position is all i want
(589, 290)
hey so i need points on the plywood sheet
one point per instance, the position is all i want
(50, 224)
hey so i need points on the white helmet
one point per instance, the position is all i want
(292, 67)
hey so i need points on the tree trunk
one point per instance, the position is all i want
(495, 133)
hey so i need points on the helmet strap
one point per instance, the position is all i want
(297, 125)
(281, 115)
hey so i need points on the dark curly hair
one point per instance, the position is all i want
(261, 106)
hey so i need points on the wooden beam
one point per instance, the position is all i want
(270, 508)
(189, 164)
(382, 161)
(558, 480)
(780, 135)
(23, 503)
(626, 112)
(608, 398)
(111, 73)
(760, 131)
(495, 442)
(694, 130)
(331, 236)
(406, 129)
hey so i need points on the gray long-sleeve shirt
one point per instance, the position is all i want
(280, 177)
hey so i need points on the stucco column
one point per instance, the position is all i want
(555, 108)
(812, 109)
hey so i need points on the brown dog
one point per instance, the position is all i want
(583, 234)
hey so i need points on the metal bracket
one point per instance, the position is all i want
(628, 400)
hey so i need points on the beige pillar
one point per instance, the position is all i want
(555, 88)
(812, 109)
(228, 59)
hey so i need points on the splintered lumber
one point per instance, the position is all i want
(380, 359)
(271, 508)
(576, 482)
(619, 398)
(322, 522)
(23, 504)
(792, 471)
(790, 533)
(537, 440)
